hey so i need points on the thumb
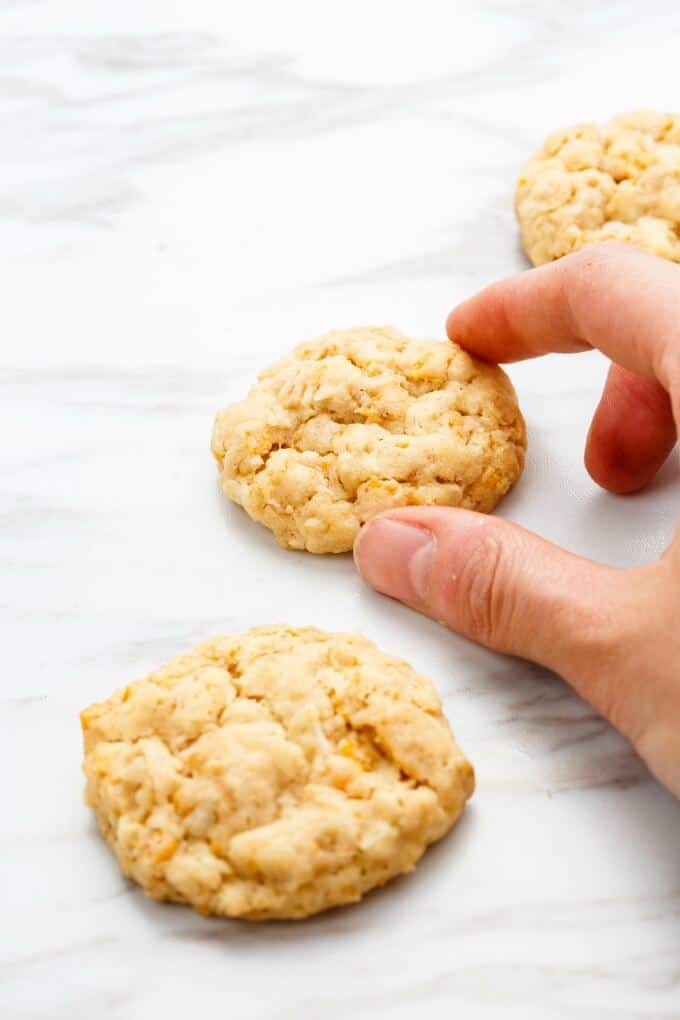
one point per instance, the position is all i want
(499, 585)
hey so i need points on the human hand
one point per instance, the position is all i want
(613, 634)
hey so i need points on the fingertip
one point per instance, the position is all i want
(632, 433)
(455, 321)
(479, 326)
(393, 556)
(610, 470)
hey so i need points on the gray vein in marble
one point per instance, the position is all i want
(146, 156)
(144, 67)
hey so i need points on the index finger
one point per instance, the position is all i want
(611, 296)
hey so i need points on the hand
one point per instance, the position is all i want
(613, 634)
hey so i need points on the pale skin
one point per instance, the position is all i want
(613, 634)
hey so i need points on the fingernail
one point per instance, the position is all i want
(395, 558)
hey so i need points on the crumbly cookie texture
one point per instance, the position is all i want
(616, 182)
(273, 774)
(362, 420)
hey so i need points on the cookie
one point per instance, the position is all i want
(362, 420)
(273, 774)
(616, 182)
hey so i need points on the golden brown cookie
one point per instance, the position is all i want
(273, 774)
(615, 182)
(362, 420)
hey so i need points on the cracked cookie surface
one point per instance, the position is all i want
(614, 182)
(273, 774)
(362, 420)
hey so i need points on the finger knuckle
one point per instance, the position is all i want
(482, 590)
(593, 647)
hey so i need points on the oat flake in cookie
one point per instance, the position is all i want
(273, 774)
(615, 182)
(362, 420)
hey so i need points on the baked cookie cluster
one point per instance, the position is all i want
(283, 771)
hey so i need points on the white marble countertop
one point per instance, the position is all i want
(186, 190)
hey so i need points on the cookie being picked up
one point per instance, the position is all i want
(273, 774)
(362, 420)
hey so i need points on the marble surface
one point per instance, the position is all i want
(185, 191)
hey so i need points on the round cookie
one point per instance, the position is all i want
(616, 182)
(362, 420)
(273, 774)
